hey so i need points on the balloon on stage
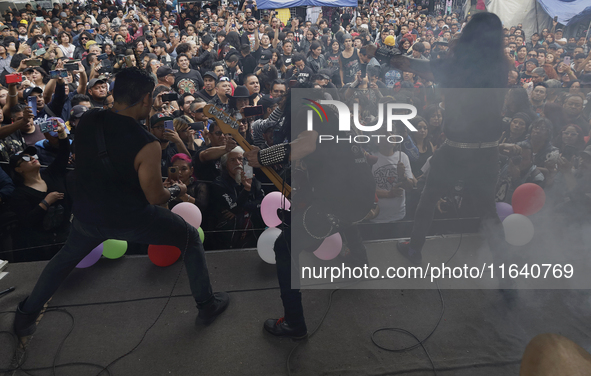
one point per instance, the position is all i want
(266, 243)
(201, 234)
(519, 230)
(504, 210)
(189, 212)
(271, 202)
(528, 199)
(330, 247)
(113, 249)
(163, 255)
(91, 258)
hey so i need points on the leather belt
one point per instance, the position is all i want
(472, 145)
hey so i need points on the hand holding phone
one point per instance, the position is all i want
(33, 62)
(173, 173)
(169, 97)
(248, 171)
(250, 111)
(32, 101)
(14, 78)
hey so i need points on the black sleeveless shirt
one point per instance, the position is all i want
(101, 200)
(350, 66)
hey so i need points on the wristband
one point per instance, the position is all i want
(174, 191)
(45, 203)
(274, 154)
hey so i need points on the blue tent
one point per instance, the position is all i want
(276, 4)
(568, 11)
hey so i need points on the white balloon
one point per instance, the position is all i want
(266, 243)
(519, 230)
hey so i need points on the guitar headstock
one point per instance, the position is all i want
(227, 123)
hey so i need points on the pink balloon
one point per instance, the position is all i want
(91, 258)
(189, 212)
(330, 247)
(271, 202)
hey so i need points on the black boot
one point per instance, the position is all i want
(280, 328)
(211, 310)
(25, 323)
(413, 256)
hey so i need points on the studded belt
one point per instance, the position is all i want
(472, 145)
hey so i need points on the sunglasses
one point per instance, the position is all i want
(28, 158)
(224, 79)
(83, 38)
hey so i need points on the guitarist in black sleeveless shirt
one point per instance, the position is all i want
(119, 190)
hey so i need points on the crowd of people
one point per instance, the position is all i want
(243, 60)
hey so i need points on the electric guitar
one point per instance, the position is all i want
(229, 125)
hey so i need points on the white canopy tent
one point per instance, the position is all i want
(529, 13)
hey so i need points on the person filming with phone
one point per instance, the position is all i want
(235, 204)
(40, 199)
(162, 127)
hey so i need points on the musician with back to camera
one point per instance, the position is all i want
(341, 192)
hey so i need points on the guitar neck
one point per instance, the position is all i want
(224, 120)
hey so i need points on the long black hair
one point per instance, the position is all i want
(479, 52)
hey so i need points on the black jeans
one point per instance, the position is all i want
(161, 228)
(287, 258)
(478, 169)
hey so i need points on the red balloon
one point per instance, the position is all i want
(528, 199)
(163, 255)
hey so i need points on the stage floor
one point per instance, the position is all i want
(115, 301)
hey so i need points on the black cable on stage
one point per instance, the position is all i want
(394, 329)
(313, 332)
(161, 311)
(103, 368)
(54, 366)
(408, 333)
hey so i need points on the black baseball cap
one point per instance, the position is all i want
(77, 111)
(211, 74)
(95, 81)
(165, 70)
(28, 91)
(157, 118)
(206, 39)
(265, 57)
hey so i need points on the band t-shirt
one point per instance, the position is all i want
(385, 173)
(248, 38)
(10, 145)
(189, 82)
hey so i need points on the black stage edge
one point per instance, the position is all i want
(115, 301)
